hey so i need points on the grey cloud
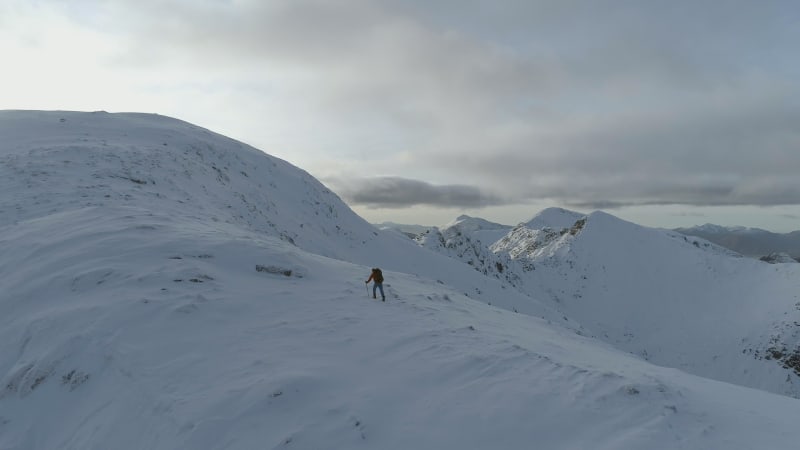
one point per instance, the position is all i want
(453, 61)
(377, 54)
(600, 43)
(241, 34)
(586, 103)
(744, 153)
(769, 191)
(690, 214)
(396, 192)
(308, 33)
(528, 48)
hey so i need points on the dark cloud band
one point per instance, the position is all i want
(396, 192)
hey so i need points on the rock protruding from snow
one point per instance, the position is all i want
(461, 241)
(525, 243)
(778, 258)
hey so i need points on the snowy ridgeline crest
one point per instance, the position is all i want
(165, 287)
(525, 243)
(779, 258)
(650, 292)
(95, 160)
(461, 240)
(504, 259)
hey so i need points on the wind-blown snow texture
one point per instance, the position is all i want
(164, 287)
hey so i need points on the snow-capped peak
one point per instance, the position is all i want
(469, 224)
(713, 229)
(647, 290)
(555, 218)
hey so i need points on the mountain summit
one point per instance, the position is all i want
(556, 218)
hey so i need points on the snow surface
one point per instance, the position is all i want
(676, 301)
(165, 287)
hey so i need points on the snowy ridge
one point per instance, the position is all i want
(478, 229)
(167, 166)
(526, 244)
(409, 230)
(719, 229)
(466, 248)
(59, 161)
(779, 258)
(554, 218)
(653, 293)
(202, 295)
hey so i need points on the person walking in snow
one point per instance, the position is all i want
(377, 277)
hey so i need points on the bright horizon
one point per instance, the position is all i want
(667, 115)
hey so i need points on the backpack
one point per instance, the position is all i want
(378, 276)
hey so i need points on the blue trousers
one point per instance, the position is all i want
(377, 286)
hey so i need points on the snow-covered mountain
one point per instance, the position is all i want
(467, 239)
(67, 162)
(677, 301)
(752, 242)
(477, 228)
(408, 229)
(554, 218)
(164, 287)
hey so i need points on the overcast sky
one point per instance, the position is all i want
(667, 113)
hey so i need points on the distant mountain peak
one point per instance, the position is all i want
(470, 224)
(752, 242)
(553, 218)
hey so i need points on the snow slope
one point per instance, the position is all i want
(677, 301)
(167, 297)
(61, 160)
